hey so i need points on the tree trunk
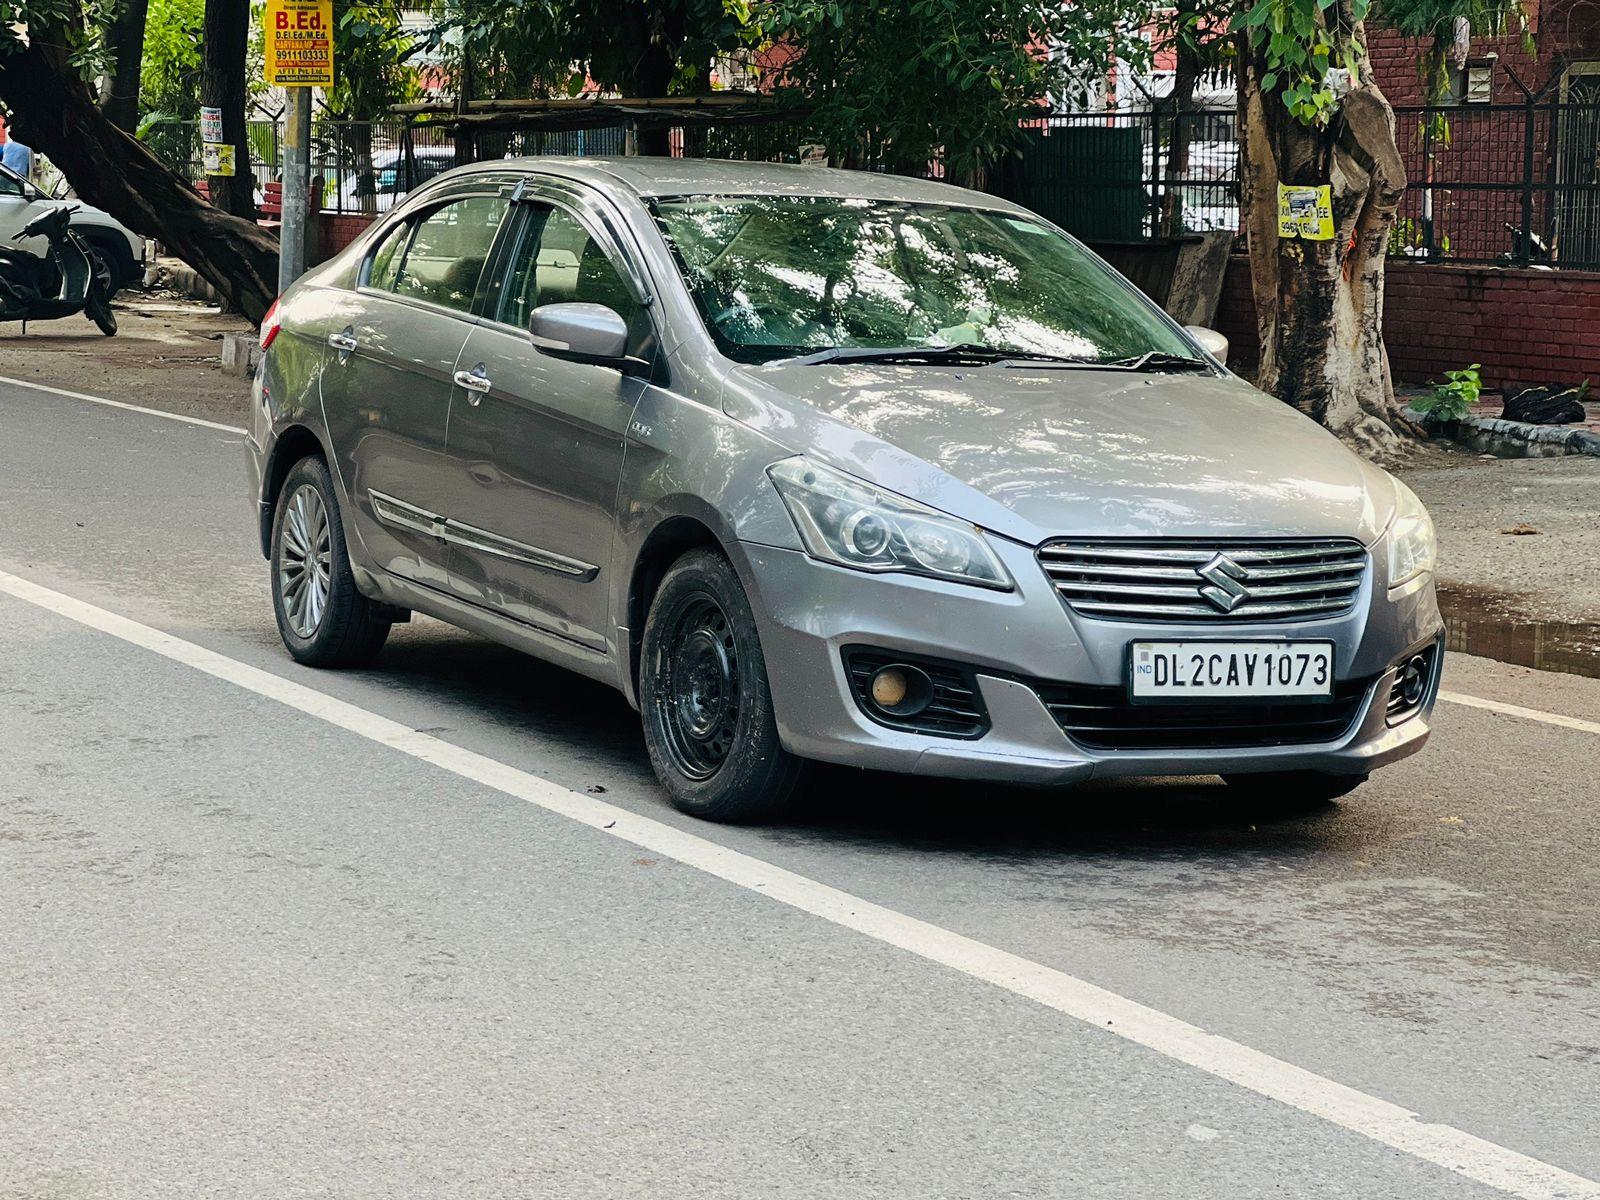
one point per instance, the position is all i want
(1186, 73)
(109, 168)
(1319, 304)
(227, 26)
(119, 92)
(357, 138)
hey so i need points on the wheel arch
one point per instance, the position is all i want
(293, 443)
(672, 537)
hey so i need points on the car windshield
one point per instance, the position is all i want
(783, 276)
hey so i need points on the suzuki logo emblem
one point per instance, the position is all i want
(1224, 575)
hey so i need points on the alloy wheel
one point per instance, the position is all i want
(305, 560)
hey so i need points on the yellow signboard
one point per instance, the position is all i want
(218, 159)
(1305, 212)
(299, 44)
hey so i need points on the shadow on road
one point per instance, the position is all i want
(1160, 818)
(1169, 818)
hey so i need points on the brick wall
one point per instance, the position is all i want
(335, 231)
(1524, 326)
(1563, 31)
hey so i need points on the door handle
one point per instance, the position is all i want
(476, 382)
(343, 342)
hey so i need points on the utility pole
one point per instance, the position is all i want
(296, 187)
(299, 56)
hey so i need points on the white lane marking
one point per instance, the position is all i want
(153, 412)
(1516, 710)
(1442, 1145)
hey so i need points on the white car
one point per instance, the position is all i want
(119, 246)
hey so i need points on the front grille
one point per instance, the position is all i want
(1161, 580)
(1101, 718)
(956, 709)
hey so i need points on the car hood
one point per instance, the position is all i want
(1034, 453)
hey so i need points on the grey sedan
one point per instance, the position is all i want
(819, 465)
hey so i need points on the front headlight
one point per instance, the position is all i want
(1413, 547)
(853, 524)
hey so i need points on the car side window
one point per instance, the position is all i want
(446, 254)
(386, 262)
(10, 185)
(558, 262)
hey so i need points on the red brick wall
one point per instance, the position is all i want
(1524, 326)
(335, 231)
(1563, 31)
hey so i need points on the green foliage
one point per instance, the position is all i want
(1303, 40)
(906, 83)
(373, 53)
(1453, 399)
(80, 24)
(551, 47)
(170, 83)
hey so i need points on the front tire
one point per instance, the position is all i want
(705, 701)
(323, 620)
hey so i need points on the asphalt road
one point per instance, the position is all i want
(260, 938)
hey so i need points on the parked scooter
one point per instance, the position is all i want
(70, 278)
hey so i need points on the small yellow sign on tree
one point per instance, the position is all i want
(1305, 212)
(299, 43)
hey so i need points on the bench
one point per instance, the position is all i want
(270, 209)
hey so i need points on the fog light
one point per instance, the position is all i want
(1414, 680)
(889, 687)
(900, 690)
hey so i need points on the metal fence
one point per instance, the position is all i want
(1502, 183)
(1129, 176)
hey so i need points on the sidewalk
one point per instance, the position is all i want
(166, 355)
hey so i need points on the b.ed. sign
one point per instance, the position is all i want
(299, 44)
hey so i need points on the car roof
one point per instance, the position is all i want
(648, 177)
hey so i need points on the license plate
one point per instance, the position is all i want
(1205, 670)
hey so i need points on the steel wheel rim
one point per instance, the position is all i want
(305, 560)
(698, 703)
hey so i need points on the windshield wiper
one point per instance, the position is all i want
(926, 354)
(1159, 360)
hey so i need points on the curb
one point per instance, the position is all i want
(189, 282)
(1518, 439)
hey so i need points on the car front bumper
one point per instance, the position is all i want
(1020, 642)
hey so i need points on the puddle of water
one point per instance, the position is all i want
(1479, 623)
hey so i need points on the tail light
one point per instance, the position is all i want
(270, 324)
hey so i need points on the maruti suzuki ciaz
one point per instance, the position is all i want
(821, 465)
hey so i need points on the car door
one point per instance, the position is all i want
(20, 202)
(387, 378)
(536, 444)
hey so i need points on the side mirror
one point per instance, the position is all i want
(1212, 342)
(590, 333)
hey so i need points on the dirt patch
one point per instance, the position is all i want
(1526, 530)
(166, 355)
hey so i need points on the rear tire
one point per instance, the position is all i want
(704, 698)
(1289, 790)
(323, 620)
